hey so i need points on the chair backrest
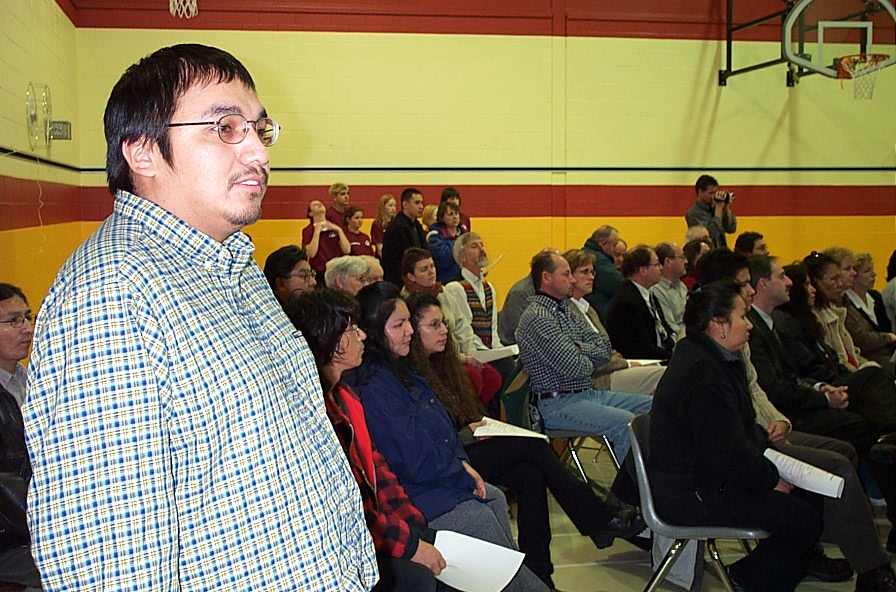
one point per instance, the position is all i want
(639, 430)
(516, 399)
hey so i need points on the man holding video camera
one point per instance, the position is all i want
(713, 210)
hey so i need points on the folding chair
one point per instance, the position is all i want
(639, 428)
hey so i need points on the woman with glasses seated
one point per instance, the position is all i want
(526, 466)
(406, 559)
(706, 461)
(417, 437)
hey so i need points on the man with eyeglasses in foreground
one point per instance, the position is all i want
(16, 332)
(174, 416)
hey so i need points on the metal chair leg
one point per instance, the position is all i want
(571, 449)
(669, 560)
(716, 560)
(609, 446)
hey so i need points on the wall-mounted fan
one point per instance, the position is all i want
(38, 114)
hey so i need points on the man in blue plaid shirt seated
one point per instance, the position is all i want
(560, 351)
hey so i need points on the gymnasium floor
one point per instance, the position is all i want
(580, 567)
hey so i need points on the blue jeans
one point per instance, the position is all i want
(604, 413)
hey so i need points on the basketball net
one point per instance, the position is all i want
(863, 68)
(183, 8)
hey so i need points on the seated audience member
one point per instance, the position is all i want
(288, 273)
(16, 332)
(888, 294)
(385, 211)
(515, 303)
(618, 374)
(359, 243)
(866, 319)
(847, 518)
(712, 210)
(706, 461)
(698, 231)
(526, 466)
(322, 240)
(403, 233)
(336, 212)
(693, 251)
(831, 278)
(635, 321)
(417, 437)
(560, 352)
(419, 275)
(607, 279)
(348, 274)
(441, 237)
(750, 243)
(619, 253)
(376, 270)
(471, 295)
(670, 292)
(451, 195)
(406, 558)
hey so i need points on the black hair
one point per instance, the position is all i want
(711, 301)
(448, 193)
(720, 264)
(443, 209)
(409, 193)
(378, 302)
(349, 212)
(146, 96)
(281, 262)
(891, 266)
(760, 268)
(816, 266)
(798, 305)
(704, 182)
(8, 291)
(746, 241)
(323, 316)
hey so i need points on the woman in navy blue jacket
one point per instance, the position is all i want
(414, 433)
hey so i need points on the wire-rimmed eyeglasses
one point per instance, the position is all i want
(233, 128)
(17, 321)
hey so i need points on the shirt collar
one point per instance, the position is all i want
(645, 293)
(468, 275)
(765, 317)
(229, 257)
(582, 304)
(16, 390)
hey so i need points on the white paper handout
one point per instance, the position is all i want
(493, 427)
(474, 565)
(489, 355)
(646, 362)
(804, 475)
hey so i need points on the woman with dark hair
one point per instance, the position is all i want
(416, 435)
(526, 466)
(693, 250)
(440, 238)
(406, 559)
(826, 276)
(706, 459)
(359, 243)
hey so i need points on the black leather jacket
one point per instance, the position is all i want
(15, 473)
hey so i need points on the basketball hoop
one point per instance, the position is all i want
(183, 8)
(863, 68)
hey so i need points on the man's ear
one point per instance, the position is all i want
(143, 156)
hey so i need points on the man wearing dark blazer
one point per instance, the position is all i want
(635, 320)
(404, 232)
(16, 332)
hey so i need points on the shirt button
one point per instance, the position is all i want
(433, 401)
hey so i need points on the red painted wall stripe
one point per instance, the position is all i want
(25, 203)
(673, 19)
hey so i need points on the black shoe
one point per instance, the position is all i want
(625, 523)
(884, 451)
(824, 568)
(879, 579)
(737, 586)
(891, 541)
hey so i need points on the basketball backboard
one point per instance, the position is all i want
(817, 33)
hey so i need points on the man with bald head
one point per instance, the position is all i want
(607, 279)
